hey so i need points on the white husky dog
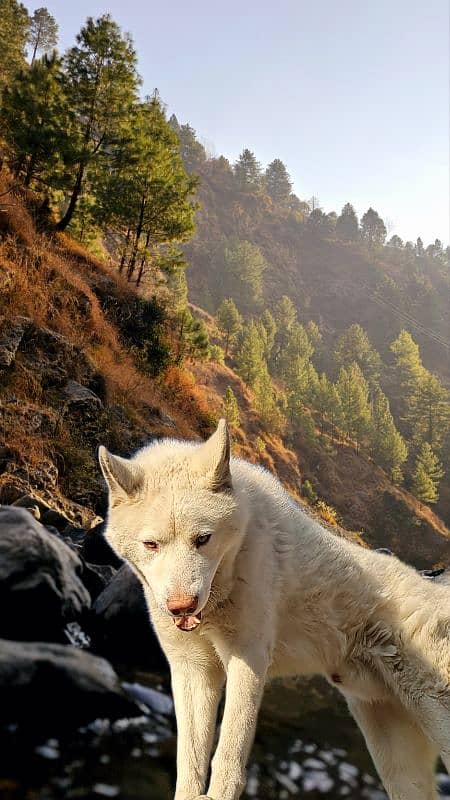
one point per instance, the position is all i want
(242, 585)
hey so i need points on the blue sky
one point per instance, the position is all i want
(352, 96)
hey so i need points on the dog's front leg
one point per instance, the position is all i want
(197, 687)
(246, 676)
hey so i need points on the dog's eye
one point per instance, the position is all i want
(151, 546)
(202, 539)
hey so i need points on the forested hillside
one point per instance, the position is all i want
(326, 348)
(338, 331)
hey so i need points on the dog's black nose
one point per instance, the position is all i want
(181, 605)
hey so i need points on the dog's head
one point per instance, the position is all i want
(173, 515)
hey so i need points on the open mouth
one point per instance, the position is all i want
(188, 623)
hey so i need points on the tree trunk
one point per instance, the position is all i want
(137, 238)
(30, 170)
(125, 250)
(63, 223)
(143, 262)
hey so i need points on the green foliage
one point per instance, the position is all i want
(146, 193)
(354, 347)
(427, 474)
(229, 321)
(373, 229)
(347, 226)
(250, 354)
(231, 408)
(101, 83)
(387, 445)
(39, 126)
(192, 152)
(216, 353)
(308, 492)
(15, 23)
(192, 338)
(266, 401)
(278, 183)
(240, 268)
(353, 393)
(43, 33)
(247, 171)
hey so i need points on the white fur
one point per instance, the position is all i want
(279, 595)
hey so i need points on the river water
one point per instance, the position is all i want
(306, 746)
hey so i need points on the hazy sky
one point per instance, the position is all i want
(352, 96)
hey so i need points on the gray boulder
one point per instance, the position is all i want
(51, 685)
(40, 584)
(121, 627)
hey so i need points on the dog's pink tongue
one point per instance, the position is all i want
(187, 623)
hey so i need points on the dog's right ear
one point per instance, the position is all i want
(125, 479)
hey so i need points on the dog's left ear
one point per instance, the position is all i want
(212, 459)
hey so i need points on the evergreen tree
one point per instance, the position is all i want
(347, 226)
(373, 229)
(193, 340)
(419, 247)
(229, 321)
(231, 408)
(396, 241)
(101, 83)
(285, 316)
(15, 23)
(428, 411)
(250, 354)
(427, 475)
(387, 445)
(192, 151)
(265, 401)
(247, 171)
(146, 194)
(270, 330)
(353, 392)
(354, 346)
(39, 126)
(278, 183)
(244, 267)
(43, 34)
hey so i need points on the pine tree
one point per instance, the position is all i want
(265, 401)
(229, 321)
(15, 23)
(244, 267)
(388, 447)
(146, 194)
(354, 346)
(247, 171)
(39, 126)
(270, 329)
(278, 183)
(373, 229)
(285, 316)
(193, 340)
(427, 474)
(347, 226)
(231, 408)
(428, 410)
(43, 34)
(249, 356)
(101, 82)
(354, 398)
(192, 151)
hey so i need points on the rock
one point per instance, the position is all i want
(81, 396)
(10, 339)
(40, 581)
(121, 627)
(55, 519)
(96, 549)
(50, 686)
